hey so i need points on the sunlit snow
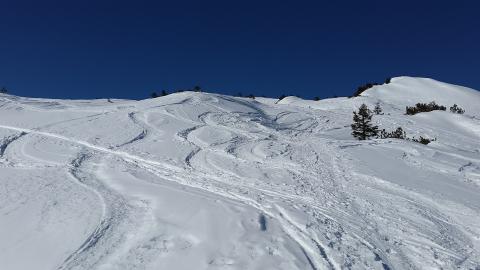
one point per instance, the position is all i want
(208, 181)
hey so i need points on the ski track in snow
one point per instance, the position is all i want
(8, 140)
(140, 136)
(265, 159)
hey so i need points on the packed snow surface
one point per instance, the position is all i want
(207, 181)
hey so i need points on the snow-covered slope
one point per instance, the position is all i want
(207, 181)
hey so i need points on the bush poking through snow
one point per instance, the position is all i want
(424, 107)
(362, 128)
(399, 133)
(423, 140)
(377, 110)
(456, 109)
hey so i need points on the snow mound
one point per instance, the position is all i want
(290, 100)
(407, 91)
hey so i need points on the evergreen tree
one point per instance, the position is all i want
(362, 128)
(3, 90)
(154, 95)
(377, 110)
(197, 89)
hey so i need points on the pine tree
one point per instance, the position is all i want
(377, 110)
(362, 128)
(197, 89)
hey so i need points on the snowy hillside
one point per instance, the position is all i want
(207, 181)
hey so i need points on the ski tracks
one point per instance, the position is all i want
(320, 206)
(113, 210)
(5, 142)
(140, 136)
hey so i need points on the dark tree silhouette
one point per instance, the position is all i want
(316, 98)
(3, 90)
(362, 128)
(164, 93)
(154, 95)
(424, 107)
(362, 88)
(197, 89)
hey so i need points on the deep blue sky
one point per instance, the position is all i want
(127, 49)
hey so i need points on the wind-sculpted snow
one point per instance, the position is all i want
(206, 181)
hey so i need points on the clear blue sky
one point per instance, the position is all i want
(127, 49)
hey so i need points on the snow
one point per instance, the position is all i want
(208, 181)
